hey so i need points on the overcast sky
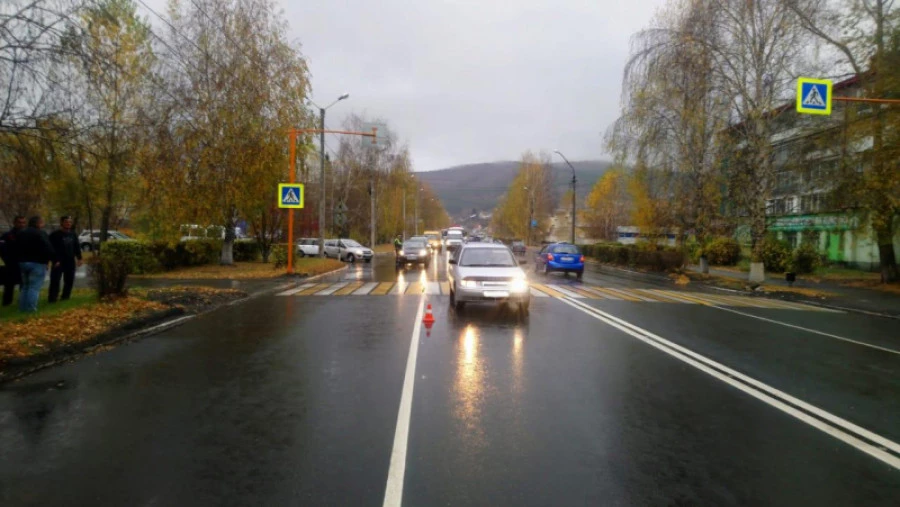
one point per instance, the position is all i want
(465, 81)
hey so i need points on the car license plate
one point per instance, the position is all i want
(411, 256)
(496, 294)
(568, 259)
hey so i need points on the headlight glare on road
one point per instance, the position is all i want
(519, 285)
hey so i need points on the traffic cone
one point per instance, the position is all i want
(429, 317)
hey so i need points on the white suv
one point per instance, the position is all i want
(347, 250)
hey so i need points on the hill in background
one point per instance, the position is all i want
(481, 186)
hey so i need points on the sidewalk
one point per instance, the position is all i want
(847, 298)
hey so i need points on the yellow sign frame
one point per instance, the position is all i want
(281, 187)
(828, 101)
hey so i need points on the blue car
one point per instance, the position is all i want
(564, 257)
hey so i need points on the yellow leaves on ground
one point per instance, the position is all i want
(803, 291)
(42, 334)
(249, 270)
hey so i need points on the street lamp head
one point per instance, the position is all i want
(344, 96)
(557, 152)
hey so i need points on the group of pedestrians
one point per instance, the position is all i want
(26, 253)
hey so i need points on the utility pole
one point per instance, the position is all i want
(573, 191)
(322, 182)
(404, 212)
(416, 215)
(372, 211)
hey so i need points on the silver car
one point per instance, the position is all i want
(487, 272)
(347, 250)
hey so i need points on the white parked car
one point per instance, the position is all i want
(487, 272)
(308, 247)
(89, 240)
(347, 250)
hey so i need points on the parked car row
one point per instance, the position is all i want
(343, 249)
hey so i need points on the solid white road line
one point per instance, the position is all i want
(296, 290)
(822, 333)
(839, 428)
(331, 290)
(393, 494)
(365, 289)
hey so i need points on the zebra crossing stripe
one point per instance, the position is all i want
(291, 292)
(365, 289)
(601, 295)
(585, 293)
(331, 290)
(684, 296)
(663, 297)
(348, 289)
(445, 288)
(617, 294)
(315, 288)
(547, 290)
(565, 292)
(432, 288)
(537, 293)
(414, 288)
(382, 289)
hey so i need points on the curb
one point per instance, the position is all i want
(157, 323)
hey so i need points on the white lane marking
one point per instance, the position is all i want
(291, 292)
(365, 289)
(331, 290)
(566, 292)
(829, 335)
(433, 288)
(538, 294)
(757, 389)
(393, 494)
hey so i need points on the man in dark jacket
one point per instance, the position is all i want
(67, 259)
(9, 254)
(35, 252)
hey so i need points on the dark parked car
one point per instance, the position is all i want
(518, 247)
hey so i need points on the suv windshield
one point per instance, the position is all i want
(487, 257)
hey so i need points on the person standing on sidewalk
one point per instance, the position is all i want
(9, 254)
(67, 259)
(35, 252)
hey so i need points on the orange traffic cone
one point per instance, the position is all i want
(429, 317)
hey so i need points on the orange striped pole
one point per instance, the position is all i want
(290, 247)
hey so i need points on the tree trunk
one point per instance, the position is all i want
(227, 257)
(887, 260)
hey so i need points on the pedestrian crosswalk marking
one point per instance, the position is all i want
(348, 289)
(365, 289)
(558, 291)
(382, 289)
(315, 288)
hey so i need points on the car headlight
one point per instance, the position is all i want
(469, 284)
(401, 252)
(519, 285)
(423, 252)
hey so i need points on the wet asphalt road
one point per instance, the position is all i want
(293, 400)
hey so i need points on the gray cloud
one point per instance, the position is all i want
(471, 81)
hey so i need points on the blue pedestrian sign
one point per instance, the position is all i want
(534, 223)
(290, 195)
(813, 96)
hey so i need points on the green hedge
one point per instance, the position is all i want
(246, 250)
(115, 261)
(722, 252)
(646, 256)
(805, 259)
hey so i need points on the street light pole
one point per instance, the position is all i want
(573, 191)
(322, 174)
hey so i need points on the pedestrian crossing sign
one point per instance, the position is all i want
(290, 195)
(813, 96)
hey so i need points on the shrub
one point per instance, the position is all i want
(201, 251)
(118, 259)
(722, 252)
(279, 255)
(246, 250)
(805, 259)
(654, 257)
(776, 254)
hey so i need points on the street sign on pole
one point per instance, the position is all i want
(290, 195)
(534, 223)
(379, 135)
(814, 96)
